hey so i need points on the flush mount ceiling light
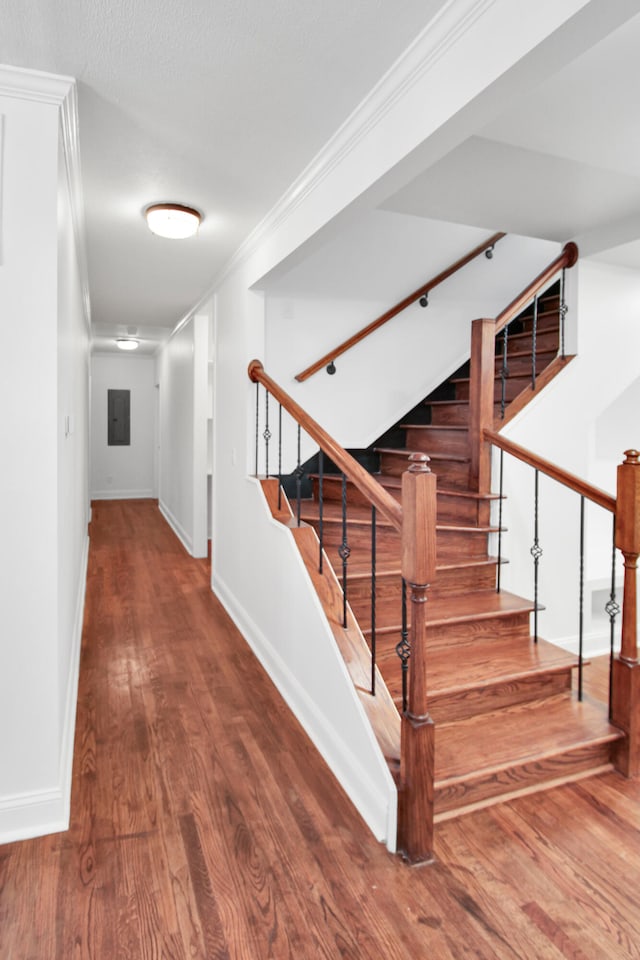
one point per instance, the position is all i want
(128, 343)
(172, 220)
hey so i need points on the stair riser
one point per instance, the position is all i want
(453, 442)
(513, 387)
(463, 511)
(455, 473)
(389, 589)
(526, 776)
(522, 365)
(447, 708)
(450, 543)
(455, 635)
(546, 339)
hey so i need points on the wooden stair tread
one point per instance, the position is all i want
(498, 740)
(478, 605)
(386, 569)
(456, 428)
(395, 483)
(401, 451)
(361, 516)
(493, 661)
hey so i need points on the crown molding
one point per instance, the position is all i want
(69, 130)
(60, 91)
(34, 85)
(445, 29)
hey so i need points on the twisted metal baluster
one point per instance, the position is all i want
(504, 372)
(612, 608)
(534, 337)
(298, 480)
(562, 310)
(403, 649)
(581, 600)
(321, 506)
(499, 570)
(344, 550)
(279, 456)
(536, 553)
(266, 433)
(373, 600)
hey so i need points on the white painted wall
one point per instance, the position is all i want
(387, 374)
(43, 484)
(184, 402)
(119, 473)
(587, 411)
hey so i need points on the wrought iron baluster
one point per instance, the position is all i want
(298, 481)
(581, 601)
(321, 507)
(257, 422)
(562, 310)
(344, 550)
(504, 373)
(279, 456)
(612, 608)
(499, 570)
(403, 649)
(536, 553)
(373, 600)
(266, 433)
(534, 336)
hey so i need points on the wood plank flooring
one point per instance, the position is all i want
(204, 825)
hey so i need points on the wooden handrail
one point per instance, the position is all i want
(585, 489)
(375, 493)
(568, 258)
(399, 307)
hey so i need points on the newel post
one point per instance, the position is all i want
(415, 814)
(626, 669)
(481, 401)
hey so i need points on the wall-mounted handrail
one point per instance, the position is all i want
(375, 493)
(552, 470)
(399, 307)
(568, 258)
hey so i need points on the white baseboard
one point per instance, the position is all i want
(40, 812)
(112, 494)
(373, 805)
(176, 526)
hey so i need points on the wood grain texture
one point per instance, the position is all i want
(204, 824)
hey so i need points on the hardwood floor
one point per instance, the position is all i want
(204, 824)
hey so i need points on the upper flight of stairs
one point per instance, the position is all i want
(507, 718)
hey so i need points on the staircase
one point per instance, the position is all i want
(507, 717)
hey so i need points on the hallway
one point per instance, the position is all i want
(204, 824)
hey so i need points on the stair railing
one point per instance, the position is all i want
(624, 674)
(415, 520)
(421, 296)
(483, 357)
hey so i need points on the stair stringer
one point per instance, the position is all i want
(292, 638)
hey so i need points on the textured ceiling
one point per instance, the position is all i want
(215, 103)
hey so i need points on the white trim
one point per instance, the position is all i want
(34, 85)
(447, 27)
(34, 814)
(177, 527)
(69, 133)
(73, 680)
(41, 812)
(373, 806)
(112, 494)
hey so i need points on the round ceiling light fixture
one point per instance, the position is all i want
(173, 220)
(127, 343)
